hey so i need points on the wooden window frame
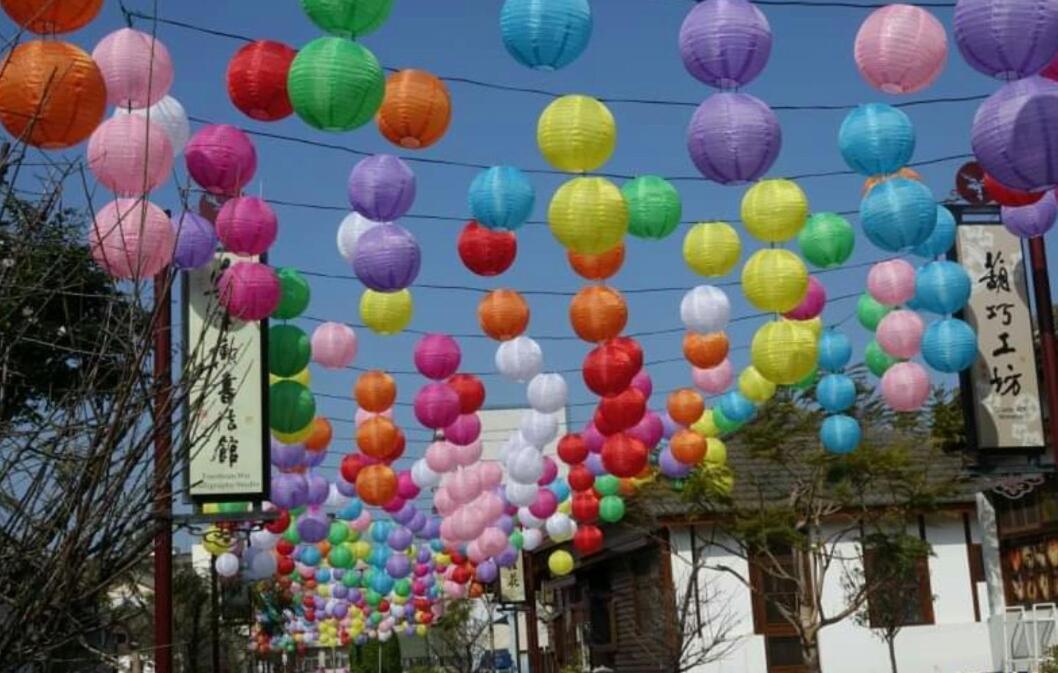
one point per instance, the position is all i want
(924, 597)
(762, 626)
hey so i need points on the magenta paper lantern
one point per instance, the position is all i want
(247, 225)
(891, 283)
(641, 382)
(593, 439)
(137, 68)
(812, 305)
(249, 290)
(464, 430)
(648, 430)
(406, 487)
(714, 380)
(901, 49)
(725, 43)
(900, 334)
(334, 345)
(221, 159)
(550, 471)
(129, 155)
(437, 356)
(381, 188)
(1015, 134)
(1035, 219)
(1006, 39)
(436, 405)
(733, 138)
(545, 504)
(131, 238)
(905, 386)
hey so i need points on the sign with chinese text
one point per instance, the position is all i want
(1003, 382)
(227, 435)
(512, 583)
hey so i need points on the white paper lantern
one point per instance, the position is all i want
(519, 359)
(169, 115)
(423, 476)
(560, 527)
(521, 495)
(349, 232)
(705, 309)
(547, 393)
(263, 565)
(525, 466)
(531, 538)
(227, 564)
(526, 518)
(537, 428)
(335, 497)
(263, 539)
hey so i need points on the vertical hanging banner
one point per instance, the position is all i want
(1003, 385)
(226, 438)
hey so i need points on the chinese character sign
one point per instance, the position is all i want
(1005, 386)
(231, 461)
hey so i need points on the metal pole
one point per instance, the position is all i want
(532, 637)
(214, 615)
(1041, 287)
(380, 656)
(515, 613)
(163, 486)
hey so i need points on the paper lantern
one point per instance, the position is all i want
(654, 207)
(437, 356)
(130, 155)
(611, 510)
(942, 238)
(503, 314)
(877, 139)
(597, 267)
(436, 405)
(52, 94)
(464, 431)
(876, 359)
(547, 393)
(136, 67)
(249, 290)
(576, 134)
(835, 351)
(949, 345)
(736, 407)
(381, 188)
(257, 80)
(416, 109)
(501, 197)
(905, 386)
(131, 238)
(375, 391)
(387, 258)
(711, 248)
(294, 294)
(386, 312)
(470, 390)
(754, 387)
(289, 350)
(685, 406)
(47, 17)
(247, 225)
(334, 345)
(598, 313)
(892, 282)
(900, 334)
(608, 369)
(519, 359)
(221, 159)
(538, 429)
(783, 352)
(1006, 39)
(942, 287)
(869, 312)
(1032, 220)
(1005, 196)
(705, 350)
(901, 49)
(840, 434)
(196, 241)
(486, 252)
(560, 563)
(545, 35)
(713, 380)
(705, 308)
(623, 456)
(733, 138)
(572, 449)
(348, 18)
(350, 230)
(335, 85)
(588, 215)
(688, 447)
(168, 115)
(898, 214)
(291, 406)
(812, 304)
(1014, 131)
(826, 240)
(836, 393)
(620, 412)
(774, 210)
(774, 280)
(376, 484)
(725, 43)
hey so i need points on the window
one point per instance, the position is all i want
(770, 591)
(903, 599)
(600, 609)
(784, 652)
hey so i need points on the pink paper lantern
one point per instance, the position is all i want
(129, 155)
(440, 458)
(246, 225)
(468, 522)
(333, 345)
(464, 430)
(905, 386)
(643, 384)
(491, 474)
(714, 380)
(593, 438)
(545, 505)
(249, 290)
(444, 503)
(221, 159)
(469, 453)
(437, 356)
(137, 68)
(891, 283)
(901, 49)
(406, 487)
(648, 430)
(464, 485)
(900, 334)
(436, 405)
(131, 238)
(492, 541)
(812, 305)
(550, 471)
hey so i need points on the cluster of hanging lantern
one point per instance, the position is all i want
(836, 393)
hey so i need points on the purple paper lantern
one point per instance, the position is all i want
(195, 241)
(398, 565)
(672, 468)
(436, 405)
(247, 225)
(1006, 39)
(313, 526)
(318, 490)
(288, 490)
(221, 159)
(1032, 220)
(437, 356)
(287, 456)
(725, 43)
(1015, 134)
(733, 138)
(381, 188)
(387, 258)
(249, 290)
(487, 572)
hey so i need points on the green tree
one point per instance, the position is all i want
(376, 657)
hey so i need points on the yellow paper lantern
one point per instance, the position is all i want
(716, 454)
(784, 352)
(560, 562)
(815, 325)
(293, 437)
(705, 426)
(774, 210)
(576, 134)
(755, 387)
(774, 280)
(588, 215)
(386, 312)
(711, 248)
(304, 377)
(362, 549)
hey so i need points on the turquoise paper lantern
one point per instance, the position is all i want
(836, 393)
(736, 407)
(942, 238)
(835, 351)
(949, 345)
(840, 434)
(501, 197)
(942, 287)
(898, 214)
(545, 34)
(876, 139)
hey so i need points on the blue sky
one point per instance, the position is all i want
(633, 54)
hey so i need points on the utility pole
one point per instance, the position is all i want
(163, 485)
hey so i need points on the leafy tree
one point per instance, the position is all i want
(459, 639)
(365, 658)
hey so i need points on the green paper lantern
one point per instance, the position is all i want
(340, 556)
(351, 580)
(869, 312)
(808, 381)
(335, 84)
(611, 509)
(826, 240)
(348, 18)
(607, 484)
(289, 350)
(291, 406)
(291, 534)
(517, 540)
(402, 587)
(338, 533)
(724, 424)
(878, 361)
(294, 294)
(372, 598)
(654, 208)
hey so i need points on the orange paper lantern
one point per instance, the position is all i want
(688, 447)
(320, 434)
(503, 314)
(416, 110)
(52, 94)
(50, 17)
(598, 313)
(685, 406)
(905, 172)
(377, 437)
(597, 267)
(376, 484)
(375, 391)
(705, 351)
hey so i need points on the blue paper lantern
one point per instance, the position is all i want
(309, 555)
(736, 407)
(898, 214)
(942, 238)
(382, 583)
(876, 139)
(545, 34)
(560, 488)
(835, 351)
(501, 197)
(840, 434)
(836, 393)
(380, 531)
(949, 345)
(942, 287)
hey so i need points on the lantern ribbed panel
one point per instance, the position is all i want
(774, 280)
(350, 230)
(291, 406)
(1006, 39)
(901, 49)
(711, 248)
(131, 238)
(1015, 134)
(576, 134)
(501, 197)
(826, 240)
(783, 352)
(654, 207)
(416, 109)
(129, 155)
(137, 68)
(774, 210)
(221, 159)
(545, 35)
(733, 138)
(900, 333)
(898, 214)
(381, 188)
(52, 17)
(334, 345)
(348, 18)
(840, 434)
(949, 345)
(196, 241)
(905, 386)
(705, 309)
(335, 84)
(725, 43)
(247, 225)
(486, 252)
(754, 386)
(257, 80)
(519, 359)
(588, 215)
(876, 139)
(386, 312)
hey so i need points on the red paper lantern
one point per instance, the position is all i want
(257, 80)
(588, 540)
(608, 369)
(623, 410)
(585, 506)
(572, 449)
(580, 478)
(603, 426)
(485, 251)
(285, 565)
(632, 348)
(1006, 196)
(460, 575)
(284, 547)
(470, 390)
(279, 524)
(624, 456)
(351, 465)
